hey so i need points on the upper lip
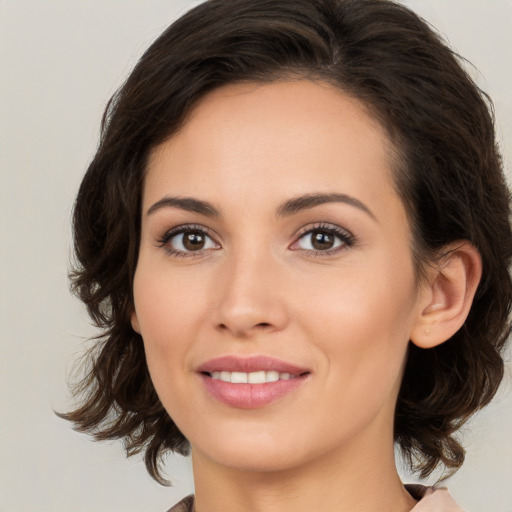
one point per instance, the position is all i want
(250, 364)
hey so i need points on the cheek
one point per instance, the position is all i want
(166, 304)
(166, 320)
(167, 313)
(361, 323)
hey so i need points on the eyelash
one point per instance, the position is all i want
(165, 240)
(346, 238)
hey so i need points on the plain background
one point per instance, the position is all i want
(59, 63)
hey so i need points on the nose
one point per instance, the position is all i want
(251, 297)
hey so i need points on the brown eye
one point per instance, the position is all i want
(193, 240)
(187, 241)
(322, 241)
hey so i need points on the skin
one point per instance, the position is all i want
(257, 287)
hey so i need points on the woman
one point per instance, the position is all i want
(295, 236)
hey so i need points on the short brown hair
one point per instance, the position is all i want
(449, 175)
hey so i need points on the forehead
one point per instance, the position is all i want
(274, 139)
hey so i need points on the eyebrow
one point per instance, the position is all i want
(188, 204)
(288, 208)
(304, 202)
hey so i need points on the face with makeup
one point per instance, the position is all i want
(275, 289)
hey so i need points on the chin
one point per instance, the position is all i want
(259, 449)
(255, 459)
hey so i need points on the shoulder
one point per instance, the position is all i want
(185, 505)
(432, 499)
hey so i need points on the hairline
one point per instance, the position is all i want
(397, 159)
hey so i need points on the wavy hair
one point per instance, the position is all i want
(448, 173)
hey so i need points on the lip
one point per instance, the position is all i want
(250, 364)
(250, 396)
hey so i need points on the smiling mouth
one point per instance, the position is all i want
(259, 377)
(251, 382)
(251, 390)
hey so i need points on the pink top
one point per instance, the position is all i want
(432, 499)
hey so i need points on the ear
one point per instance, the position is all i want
(135, 322)
(447, 295)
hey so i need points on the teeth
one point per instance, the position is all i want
(256, 378)
(238, 377)
(260, 377)
(272, 376)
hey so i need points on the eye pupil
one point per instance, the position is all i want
(193, 240)
(322, 240)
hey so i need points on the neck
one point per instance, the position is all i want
(348, 479)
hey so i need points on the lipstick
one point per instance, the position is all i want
(250, 382)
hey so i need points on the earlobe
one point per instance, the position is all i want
(447, 296)
(135, 322)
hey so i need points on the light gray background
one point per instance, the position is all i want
(59, 63)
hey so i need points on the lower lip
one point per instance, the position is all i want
(251, 396)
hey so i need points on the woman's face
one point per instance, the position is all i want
(274, 246)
